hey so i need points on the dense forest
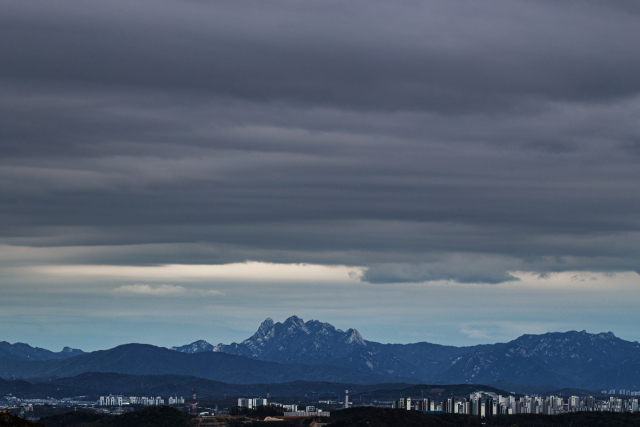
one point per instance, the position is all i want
(10, 420)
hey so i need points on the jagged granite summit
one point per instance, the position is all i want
(295, 341)
(562, 359)
(292, 341)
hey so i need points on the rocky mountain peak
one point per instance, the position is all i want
(354, 337)
(266, 326)
(296, 341)
(294, 322)
(606, 335)
(194, 347)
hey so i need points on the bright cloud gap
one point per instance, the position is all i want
(162, 290)
(247, 271)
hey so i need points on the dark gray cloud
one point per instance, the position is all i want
(426, 141)
(445, 57)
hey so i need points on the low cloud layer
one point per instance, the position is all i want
(160, 290)
(143, 289)
(457, 267)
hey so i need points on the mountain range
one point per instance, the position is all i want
(560, 359)
(295, 350)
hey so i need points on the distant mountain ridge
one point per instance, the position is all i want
(561, 359)
(314, 351)
(144, 359)
(580, 359)
(94, 384)
(21, 351)
(194, 347)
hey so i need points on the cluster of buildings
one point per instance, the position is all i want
(18, 401)
(29, 403)
(25, 407)
(289, 410)
(310, 411)
(111, 404)
(111, 400)
(484, 404)
(621, 392)
(252, 403)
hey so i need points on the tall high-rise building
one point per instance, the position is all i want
(590, 402)
(407, 403)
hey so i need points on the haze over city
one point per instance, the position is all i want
(443, 171)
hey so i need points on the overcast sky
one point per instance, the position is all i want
(448, 171)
